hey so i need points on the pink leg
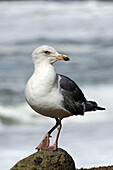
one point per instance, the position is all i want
(55, 145)
(45, 142)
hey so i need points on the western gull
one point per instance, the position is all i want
(54, 95)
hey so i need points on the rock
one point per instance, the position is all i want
(99, 168)
(46, 160)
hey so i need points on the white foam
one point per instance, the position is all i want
(42, 19)
(103, 96)
(22, 113)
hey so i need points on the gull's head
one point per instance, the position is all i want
(47, 54)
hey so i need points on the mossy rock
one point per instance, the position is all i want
(46, 160)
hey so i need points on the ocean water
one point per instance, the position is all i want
(84, 32)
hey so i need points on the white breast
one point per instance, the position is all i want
(42, 92)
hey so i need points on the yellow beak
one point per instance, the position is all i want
(62, 57)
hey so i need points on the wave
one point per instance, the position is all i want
(41, 24)
(18, 114)
(23, 114)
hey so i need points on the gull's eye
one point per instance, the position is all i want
(47, 52)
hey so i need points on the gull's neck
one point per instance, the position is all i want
(45, 73)
(43, 66)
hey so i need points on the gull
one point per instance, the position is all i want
(54, 95)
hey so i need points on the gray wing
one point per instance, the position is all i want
(72, 94)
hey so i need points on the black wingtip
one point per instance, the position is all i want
(100, 108)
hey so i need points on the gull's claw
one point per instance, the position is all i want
(44, 143)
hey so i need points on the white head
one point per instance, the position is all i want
(48, 54)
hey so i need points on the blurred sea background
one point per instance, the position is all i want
(83, 30)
